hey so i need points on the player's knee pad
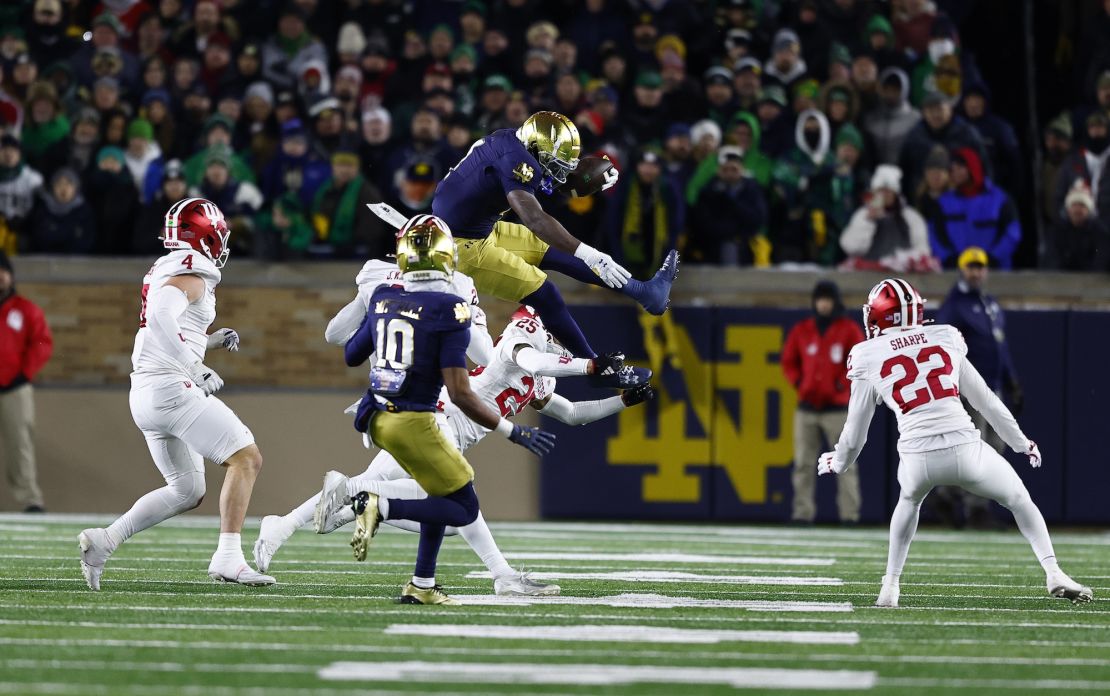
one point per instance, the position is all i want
(188, 489)
(468, 499)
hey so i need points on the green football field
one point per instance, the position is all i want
(645, 609)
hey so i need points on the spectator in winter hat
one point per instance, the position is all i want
(999, 139)
(350, 43)
(217, 72)
(814, 36)
(218, 134)
(729, 215)
(805, 95)
(886, 232)
(414, 186)
(738, 44)
(143, 158)
(1057, 147)
(441, 41)
(490, 114)
(106, 94)
(296, 168)
(893, 118)
(706, 138)
(111, 192)
(248, 64)
(472, 22)
(47, 39)
(645, 121)
(542, 35)
(106, 33)
(85, 140)
(154, 74)
(238, 200)
(840, 63)
(344, 226)
(720, 104)
(678, 155)
(290, 49)
(45, 134)
(786, 66)
(18, 185)
(376, 145)
(645, 215)
(746, 81)
(775, 121)
(934, 184)
(1079, 240)
(840, 103)
(975, 213)
(63, 222)
(939, 126)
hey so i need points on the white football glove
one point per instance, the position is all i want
(1034, 454)
(612, 273)
(611, 175)
(224, 338)
(205, 377)
(826, 464)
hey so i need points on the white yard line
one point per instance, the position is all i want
(622, 634)
(670, 558)
(87, 688)
(656, 601)
(1056, 685)
(666, 576)
(596, 675)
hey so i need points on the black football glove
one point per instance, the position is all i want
(532, 439)
(638, 394)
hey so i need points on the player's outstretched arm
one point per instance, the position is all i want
(346, 322)
(861, 408)
(551, 231)
(457, 382)
(583, 412)
(982, 399)
(360, 346)
(480, 348)
(534, 362)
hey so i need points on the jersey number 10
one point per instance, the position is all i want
(934, 388)
(394, 347)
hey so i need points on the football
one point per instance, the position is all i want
(592, 174)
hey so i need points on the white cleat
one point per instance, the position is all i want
(271, 535)
(521, 585)
(1060, 585)
(93, 544)
(333, 498)
(243, 575)
(888, 595)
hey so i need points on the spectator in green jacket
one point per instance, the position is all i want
(217, 133)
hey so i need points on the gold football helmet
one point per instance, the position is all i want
(426, 249)
(553, 140)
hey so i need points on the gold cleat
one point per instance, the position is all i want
(367, 519)
(432, 595)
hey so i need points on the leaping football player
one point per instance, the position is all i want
(418, 336)
(505, 170)
(173, 402)
(521, 372)
(920, 371)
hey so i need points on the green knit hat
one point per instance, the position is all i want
(140, 128)
(849, 134)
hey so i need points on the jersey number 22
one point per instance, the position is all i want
(933, 388)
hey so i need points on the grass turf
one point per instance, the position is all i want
(975, 617)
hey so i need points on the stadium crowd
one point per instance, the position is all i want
(848, 133)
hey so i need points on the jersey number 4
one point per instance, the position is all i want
(933, 388)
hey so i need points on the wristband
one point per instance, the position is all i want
(504, 428)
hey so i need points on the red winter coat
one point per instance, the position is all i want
(25, 341)
(815, 363)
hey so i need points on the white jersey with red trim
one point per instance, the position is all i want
(376, 273)
(916, 372)
(502, 386)
(148, 358)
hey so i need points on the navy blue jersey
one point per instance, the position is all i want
(412, 335)
(472, 197)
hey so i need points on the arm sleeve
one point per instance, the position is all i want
(40, 345)
(856, 238)
(360, 346)
(581, 412)
(861, 408)
(987, 403)
(164, 307)
(480, 350)
(548, 364)
(346, 322)
(452, 348)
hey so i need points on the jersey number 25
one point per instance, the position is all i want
(933, 388)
